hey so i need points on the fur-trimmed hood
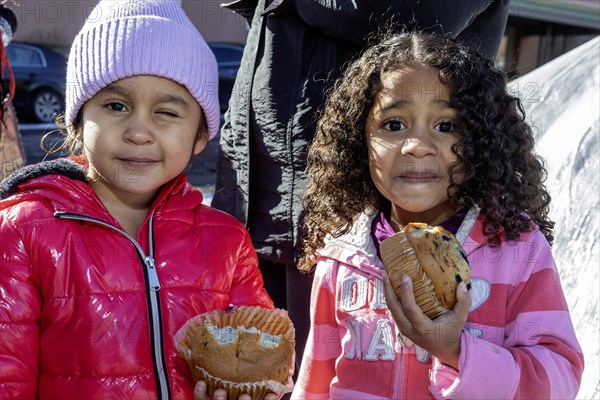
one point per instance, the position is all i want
(69, 167)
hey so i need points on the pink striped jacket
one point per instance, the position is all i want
(518, 341)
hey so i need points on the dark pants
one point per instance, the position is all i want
(290, 290)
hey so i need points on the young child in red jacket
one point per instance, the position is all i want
(107, 254)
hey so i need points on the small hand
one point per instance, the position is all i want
(440, 337)
(200, 393)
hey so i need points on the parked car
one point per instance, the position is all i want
(40, 74)
(229, 57)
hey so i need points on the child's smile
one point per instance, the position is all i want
(410, 133)
(138, 162)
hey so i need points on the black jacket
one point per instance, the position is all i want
(294, 50)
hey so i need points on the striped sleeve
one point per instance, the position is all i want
(323, 343)
(540, 356)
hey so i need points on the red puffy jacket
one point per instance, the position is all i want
(87, 311)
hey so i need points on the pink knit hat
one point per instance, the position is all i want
(123, 38)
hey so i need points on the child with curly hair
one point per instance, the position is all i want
(419, 129)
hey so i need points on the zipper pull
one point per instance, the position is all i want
(152, 275)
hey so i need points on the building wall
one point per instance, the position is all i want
(52, 23)
(537, 31)
(531, 43)
(216, 24)
(56, 23)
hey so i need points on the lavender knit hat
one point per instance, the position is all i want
(122, 38)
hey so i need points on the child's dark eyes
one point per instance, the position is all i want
(446, 126)
(394, 125)
(115, 106)
(120, 107)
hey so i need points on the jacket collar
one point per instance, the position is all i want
(69, 167)
(356, 248)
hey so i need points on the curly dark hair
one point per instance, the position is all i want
(499, 171)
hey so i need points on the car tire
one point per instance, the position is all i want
(46, 105)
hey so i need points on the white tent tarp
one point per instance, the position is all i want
(562, 104)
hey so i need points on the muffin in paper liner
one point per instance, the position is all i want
(432, 259)
(240, 349)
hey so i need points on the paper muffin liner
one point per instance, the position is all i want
(256, 390)
(236, 350)
(399, 258)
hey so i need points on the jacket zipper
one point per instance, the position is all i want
(152, 288)
(399, 378)
(461, 235)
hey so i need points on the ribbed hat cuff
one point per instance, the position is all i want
(146, 45)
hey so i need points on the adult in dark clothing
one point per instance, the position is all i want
(294, 50)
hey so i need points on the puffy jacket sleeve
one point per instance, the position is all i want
(323, 344)
(540, 358)
(247, 287)
(20, 304)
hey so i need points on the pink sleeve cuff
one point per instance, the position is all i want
(478, 361)
(443, 378)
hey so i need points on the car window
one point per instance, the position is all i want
(23, 56)
(223, 54)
